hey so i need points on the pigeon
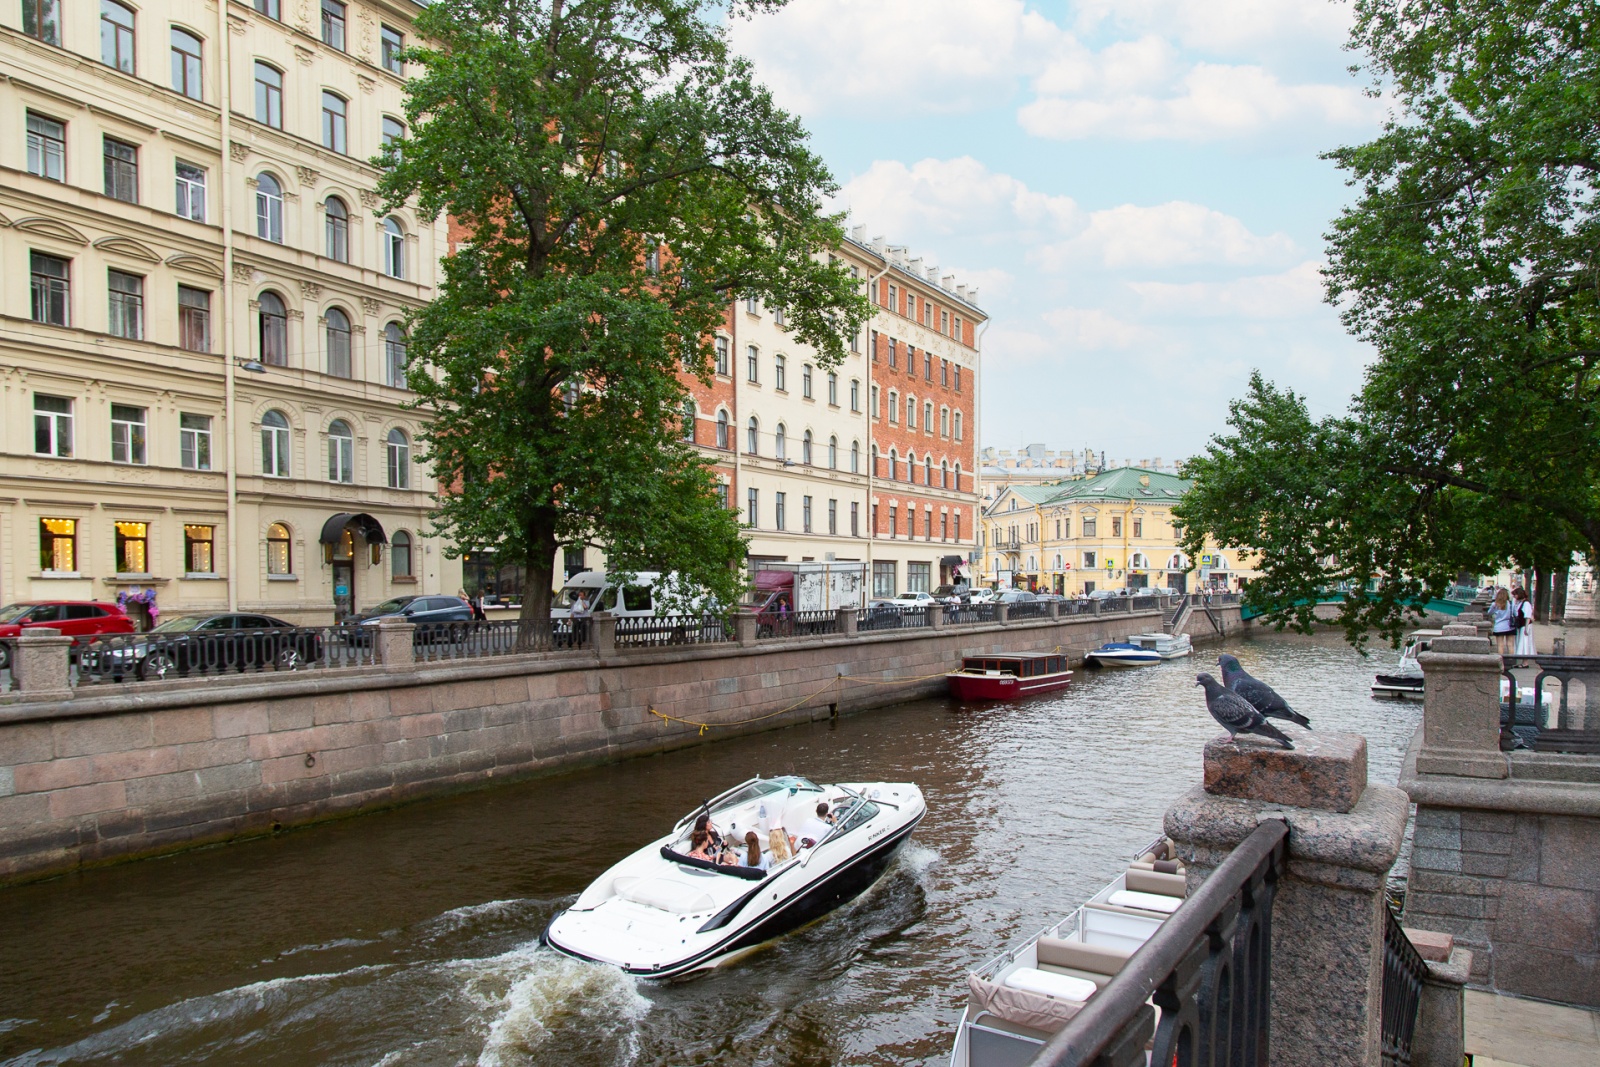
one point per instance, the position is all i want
(1262, 696)
(1235, 713)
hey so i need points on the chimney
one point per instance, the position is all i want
(948, 282)
(878, 245)
(933, 275)
(858, 234)
(961, 291)
(915, 266)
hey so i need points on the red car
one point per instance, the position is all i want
(74, 618)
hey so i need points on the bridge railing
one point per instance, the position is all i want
(1559, 717)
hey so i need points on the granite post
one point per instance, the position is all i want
(394, 643)
(1002, 613)
(1054, 607)
(1461, 707)
(1440, 1036)
(605, 632)
(847, 621)
(39, 666)
(1328, 918)
(744, 628)
(935, 616)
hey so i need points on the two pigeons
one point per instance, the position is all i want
(1243, 704)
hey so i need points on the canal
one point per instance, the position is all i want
(409, 937)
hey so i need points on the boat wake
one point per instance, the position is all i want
(544, 1000)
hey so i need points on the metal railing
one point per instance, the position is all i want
(969, 614)
(1566, 721)
(813, 623)
(1208, 968)
(1026, 610)
(673, 630)
(155, 656)
(436, 642)
(1403, 973)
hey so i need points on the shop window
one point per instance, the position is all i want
(919, 577)
(58, 546)
(280, 556)
(199, 549)
(133, 547)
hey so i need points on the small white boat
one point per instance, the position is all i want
(1167, 646)
(1019, 999)
(1404, 682)
(661, 913)
(1140, 650)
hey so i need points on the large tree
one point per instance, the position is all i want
(1471, 262)
(616, 176)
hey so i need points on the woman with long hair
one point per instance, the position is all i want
(1500, 614)
(753, 857)
(1522, 623)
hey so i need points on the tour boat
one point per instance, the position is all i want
(661, 913)
(1004, 677)
(1016, 1001)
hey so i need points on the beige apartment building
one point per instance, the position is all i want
(200, 387)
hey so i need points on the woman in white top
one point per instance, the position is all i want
(1522, 612)
(1500, 619)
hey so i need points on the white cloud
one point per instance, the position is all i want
(1096, 330)
(937, 197)
(1293, 293)
(1223, 25)
(1167, 235)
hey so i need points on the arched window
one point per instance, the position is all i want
(269, 208)
(394, 354)
(273, 331)
(927, 470)
(280, 556)
(944, 474)
(1138, 561)
(275, 446)
(722, 429)
(399, 449)
(894, 406)
(911, 467)
(338, 340)
(779, 379)
(944, 422)
(690, 415)
(855, 457)
(753, 445)
(334, 112)
(957, 486)
(927, 416)
(394, 248)
(894, 461)
(875, 473)
(911, 413)
(337, 229)
(116, 36)
(400, 555)
(780, 442)
(269, 95)
(805, 449)
(186, 63)
(833, 452)
(394, 131)
(341, 452)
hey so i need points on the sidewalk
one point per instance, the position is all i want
(1511, 1032)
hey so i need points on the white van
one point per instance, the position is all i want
(634, 600)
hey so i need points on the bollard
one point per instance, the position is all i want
(935, 616)
(39, 665)
(394, 644)
(744, 628)
(1002, 613)
(605, 633)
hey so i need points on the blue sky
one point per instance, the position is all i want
(1133, 185)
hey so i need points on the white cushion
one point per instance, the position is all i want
(666, 895)
(1062, 986)
(1127, 898)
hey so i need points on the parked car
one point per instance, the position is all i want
(1018, 596)
(206, 644)
(945, 592)
(982, 596)
(432, 614)
(880, 614)
(908, 601)
(1105, 594)
(74, 618)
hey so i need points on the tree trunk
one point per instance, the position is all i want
(537, 569)
(1541, 595)
(1558, 597)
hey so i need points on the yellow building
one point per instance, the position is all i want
(200, 385)
(1111, 530)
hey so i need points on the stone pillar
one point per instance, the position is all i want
(1441, 1031)
(394, 643)
(39, 667)
(1094, 606)
(935, 616)
(744, 628)
(1328, 918)
(847, 621)
(605, 632)
(1461, 707)
(1054, 608)
(1002, 613)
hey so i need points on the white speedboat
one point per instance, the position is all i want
(1121, 654)
(1016, 1001)
(1167, 646)
(661, 913)
(1404, 682)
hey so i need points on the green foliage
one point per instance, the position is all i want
(619, 177)
(1469, 261)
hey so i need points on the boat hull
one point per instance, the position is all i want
(1003, 686)
(1123, 659)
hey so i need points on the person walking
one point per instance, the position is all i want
(1522, 623)
(1499, 614)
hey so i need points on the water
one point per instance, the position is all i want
(410, 937)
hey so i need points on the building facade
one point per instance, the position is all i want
(1037, 464)
(202, 386)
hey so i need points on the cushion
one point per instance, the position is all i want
(666, 895)
(1060, 986)
(1127, 898)
(1079, 956)
(1172, 885)
(1038, 1011)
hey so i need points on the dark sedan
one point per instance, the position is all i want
(434, 616)
(204, 644)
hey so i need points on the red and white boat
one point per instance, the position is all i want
(1005, 677)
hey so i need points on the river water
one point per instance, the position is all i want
(410, 937)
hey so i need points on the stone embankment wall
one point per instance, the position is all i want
(143, 768)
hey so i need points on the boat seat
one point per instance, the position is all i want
(1158, 903)
(665, 895)
(1158, 882)
(1100, 959)
(1051, 984)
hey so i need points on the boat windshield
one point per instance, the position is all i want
(747, 793)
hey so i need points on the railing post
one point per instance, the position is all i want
(846, 621)
(1439, 1037)
(1461, 707)
(744, 628)
(1329, 912)
(39, 666)
(935, 616)
(394, 644)
(1054, 607)
(1002, 613)
(1094, 606)
(604, 628)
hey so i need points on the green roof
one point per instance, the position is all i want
(1119, 483)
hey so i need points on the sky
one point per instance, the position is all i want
(1133, 186)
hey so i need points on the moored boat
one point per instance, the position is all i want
(662, 912)
(1121, 654)
(1404, 682)
(1008, 676)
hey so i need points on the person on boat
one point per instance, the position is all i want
(1500, 617)
(817, 827)
(699, 846)
(714, 838)
(753, 856)
(1522, 623)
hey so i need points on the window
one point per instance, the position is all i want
(198, 557)
(269, 208)
(780, 442)
(956, 523)
(927, 416)
(894, 299)
(894, 352)
(194, 442)
(805, 449)
(42, 19)
(894, 406)
(944, 322)
(805, 381)
(958, 379)
(338, 342)
(919, 576)
(336, 229)
(833, 516)
(752, 364)
(927, 365)
(270, 8)
(855, 457)
(779, 503)
(341, 452)
(52, 289)
(194, 319)
(722, 355)
(394, 354)
(133, 547)
(956, 333)
(779, 378)
(393, 42)
(116, 36)
(957, 485)
(400, 552)
(855, 395)
(721, 489)
(752, 508)
(125, 297)
(855, 518)
(805, 514)
(833, 452)
(927, 470)
(958, 426)
(269, 95)
(911, 305)
(121, 170)
(127, 434)
(944, 533)
(894, 462)
(47, 148)
(1138, 527)
(333, 114)
(944, 422)
(883, 577)
(394, 131)
(191, 189)
(273, 331)
(874, 346)
(911, 413)
(1116, 526)
(1064, 528)
(275, 445)
(186, 63)
(394, 248)
(1089, 530)
(777, 316)
(944, 372)
(753, 434)
(944, 476)
(874, 401)
(58, 546)
(52, 426)
(280, 559)
(690, 415)
(333, 24)
(751, 306)
(1088, 557)
(399, 450)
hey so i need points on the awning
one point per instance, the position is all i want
(952, 561)
(370, 529)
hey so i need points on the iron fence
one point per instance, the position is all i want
(1403, 973)
(1028, 609)
(1210, 967)
(438, 642)
(672, 630)
(1566, 720)
(1143, 603)
(970, 613)
(105, 658)
(816, 622)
